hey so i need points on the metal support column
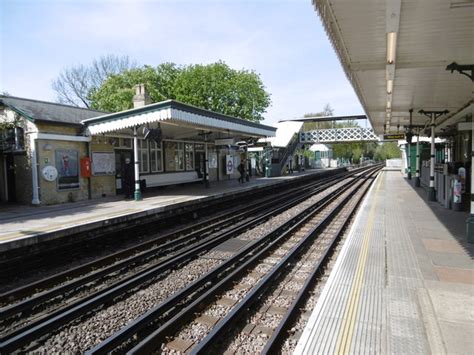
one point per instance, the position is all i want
(470, 220)
(432, 191)
(433, 115)
(138, 193)
(417, 179)
(409, 136)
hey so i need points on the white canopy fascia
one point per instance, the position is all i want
(107, 125)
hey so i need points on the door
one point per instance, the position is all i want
(199, 161)
(11, 177)
(120, 156)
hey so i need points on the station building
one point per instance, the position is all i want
(52, 153)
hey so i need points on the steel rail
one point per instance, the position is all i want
(224, 324)
(206, 229)
(193, 230)
(22, 336)
(18, 262)
(154, 338)
(274, 344)
(141, 322)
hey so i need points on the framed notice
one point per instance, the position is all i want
(103, 163)
(67, 166)
(212, 160)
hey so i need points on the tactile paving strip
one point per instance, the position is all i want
(369, 304)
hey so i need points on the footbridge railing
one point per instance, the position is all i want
(338, 135)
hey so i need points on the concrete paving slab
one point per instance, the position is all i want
(455, 275)
(425, 289)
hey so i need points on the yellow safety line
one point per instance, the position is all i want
(345, 336)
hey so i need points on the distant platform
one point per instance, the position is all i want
(403, 282)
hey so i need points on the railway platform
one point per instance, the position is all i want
(22, 226)
(403, 282)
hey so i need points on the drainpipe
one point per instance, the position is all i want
(34, 170)
(138, 194)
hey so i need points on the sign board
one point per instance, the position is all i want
(103, 163)
(261, 144)
(393, 136)
(229, 164)
(225, 141)
(212, 160)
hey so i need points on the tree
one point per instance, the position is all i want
(387, 150)
(116, 93)
(219, 88)
(214, 87)
(74, 85)
(327, 111)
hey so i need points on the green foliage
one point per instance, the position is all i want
(387, 150)
(116, 93)
(354, 151)
(215, 87)
(219, 88)
(327, 111)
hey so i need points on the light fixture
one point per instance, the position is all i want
(389, 86)
(389, 105)
(391, 47)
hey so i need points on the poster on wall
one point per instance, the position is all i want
(103, 163)
(67, 164)
(213, 160)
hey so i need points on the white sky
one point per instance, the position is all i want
(282, 40)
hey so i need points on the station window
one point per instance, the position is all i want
(189, 153)
(143, 154)
(174, 156)
(156, 164)
(126, 142)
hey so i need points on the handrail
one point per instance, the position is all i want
(292, 145)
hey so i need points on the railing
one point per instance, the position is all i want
(335, 135)
(289, 151)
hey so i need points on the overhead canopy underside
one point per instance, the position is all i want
(428, 35)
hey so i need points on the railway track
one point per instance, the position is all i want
(205, 238)
(202, 325)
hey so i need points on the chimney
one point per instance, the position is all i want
(141, 97)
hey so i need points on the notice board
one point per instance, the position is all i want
(103, 163)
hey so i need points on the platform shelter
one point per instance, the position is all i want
(411, 65)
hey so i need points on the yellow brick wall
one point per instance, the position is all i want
(49, 192)
(102, 185)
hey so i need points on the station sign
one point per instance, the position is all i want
(393, 136)
(225, 141)
(261, 144)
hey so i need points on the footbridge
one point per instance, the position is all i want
(336, 134)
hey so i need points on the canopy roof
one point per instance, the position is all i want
(177, 113)
(410, 44)
(326, 118)
(48, 112)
